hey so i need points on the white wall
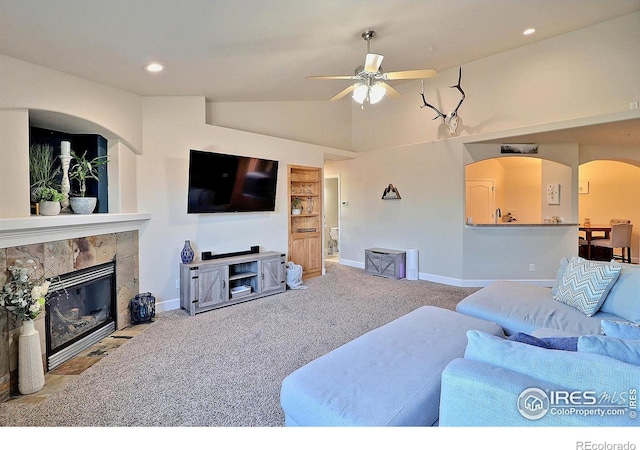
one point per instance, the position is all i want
(14, 161)
(112, 112)
(592, 71)
(324, 123)
(173, 126)
(537, 84)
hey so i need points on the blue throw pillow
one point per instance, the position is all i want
(586, 284)
(625, 350)
(621, 330)
(553, 343)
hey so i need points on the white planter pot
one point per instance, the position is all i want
(296, 212)
(49, 208)
(83, 205)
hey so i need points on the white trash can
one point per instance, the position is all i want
(412, 264)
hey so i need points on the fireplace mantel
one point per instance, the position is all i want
(36, 229)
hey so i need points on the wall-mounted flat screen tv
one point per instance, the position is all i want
(221, 183)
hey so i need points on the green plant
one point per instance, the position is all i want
(84, 169)
(296, 203)
(43, 170)
(48, 194)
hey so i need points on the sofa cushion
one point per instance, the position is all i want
(553, 343)
(624, 298)
(621, 330)
(581, 369)
(523, 307)
(625, 350)
(562, 268)
(585, 284)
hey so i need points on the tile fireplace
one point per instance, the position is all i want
(70, 245)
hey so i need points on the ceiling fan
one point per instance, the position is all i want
(371, 83)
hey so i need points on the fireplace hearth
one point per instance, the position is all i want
(80, 311)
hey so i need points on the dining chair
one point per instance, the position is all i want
(615, 221)
(620, 237)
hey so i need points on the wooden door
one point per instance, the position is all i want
(314, 247)
(480, 201)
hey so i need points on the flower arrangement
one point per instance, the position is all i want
(21, 295)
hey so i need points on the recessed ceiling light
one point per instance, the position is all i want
(529, 31)
(154, 67)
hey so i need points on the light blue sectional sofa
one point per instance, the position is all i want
(504, 382)
(477, 366)
(389, 376)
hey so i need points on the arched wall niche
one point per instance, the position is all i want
(66, 123)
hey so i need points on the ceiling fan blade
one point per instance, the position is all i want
(391, 92)
(344, 93)
(410, 74)
(372, 62)
(333, 77)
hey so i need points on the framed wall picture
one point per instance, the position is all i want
(531, 149)
(553, 194)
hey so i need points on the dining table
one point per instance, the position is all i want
(589, 228)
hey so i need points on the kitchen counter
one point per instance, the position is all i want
(521, 224)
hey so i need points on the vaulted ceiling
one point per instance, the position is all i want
(262, 50)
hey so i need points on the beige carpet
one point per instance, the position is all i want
(224, 367)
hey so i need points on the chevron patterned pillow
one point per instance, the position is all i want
(585, 284)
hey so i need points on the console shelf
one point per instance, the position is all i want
(211, 284)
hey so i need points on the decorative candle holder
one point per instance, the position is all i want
(65, 185)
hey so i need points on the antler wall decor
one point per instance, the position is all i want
(451, 119)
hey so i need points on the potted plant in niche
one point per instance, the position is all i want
(296, 206)
(48, 200)
(81, 170)
(43, 171)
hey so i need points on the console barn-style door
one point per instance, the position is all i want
(272, 274)
(212, 286)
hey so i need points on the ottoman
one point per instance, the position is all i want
(389, 376)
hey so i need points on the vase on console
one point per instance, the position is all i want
(187, 253)
(30, 367)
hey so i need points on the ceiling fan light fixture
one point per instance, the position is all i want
(360, 93)
(370, 94)
(376, 92)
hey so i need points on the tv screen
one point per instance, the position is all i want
(228, 183)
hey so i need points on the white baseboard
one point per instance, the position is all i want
(454, 281)
(168, 305)
(172, 304)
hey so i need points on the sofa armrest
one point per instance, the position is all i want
(476, 393)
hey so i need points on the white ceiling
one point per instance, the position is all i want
(262, 50)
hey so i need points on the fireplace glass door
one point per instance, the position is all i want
(79, 304)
